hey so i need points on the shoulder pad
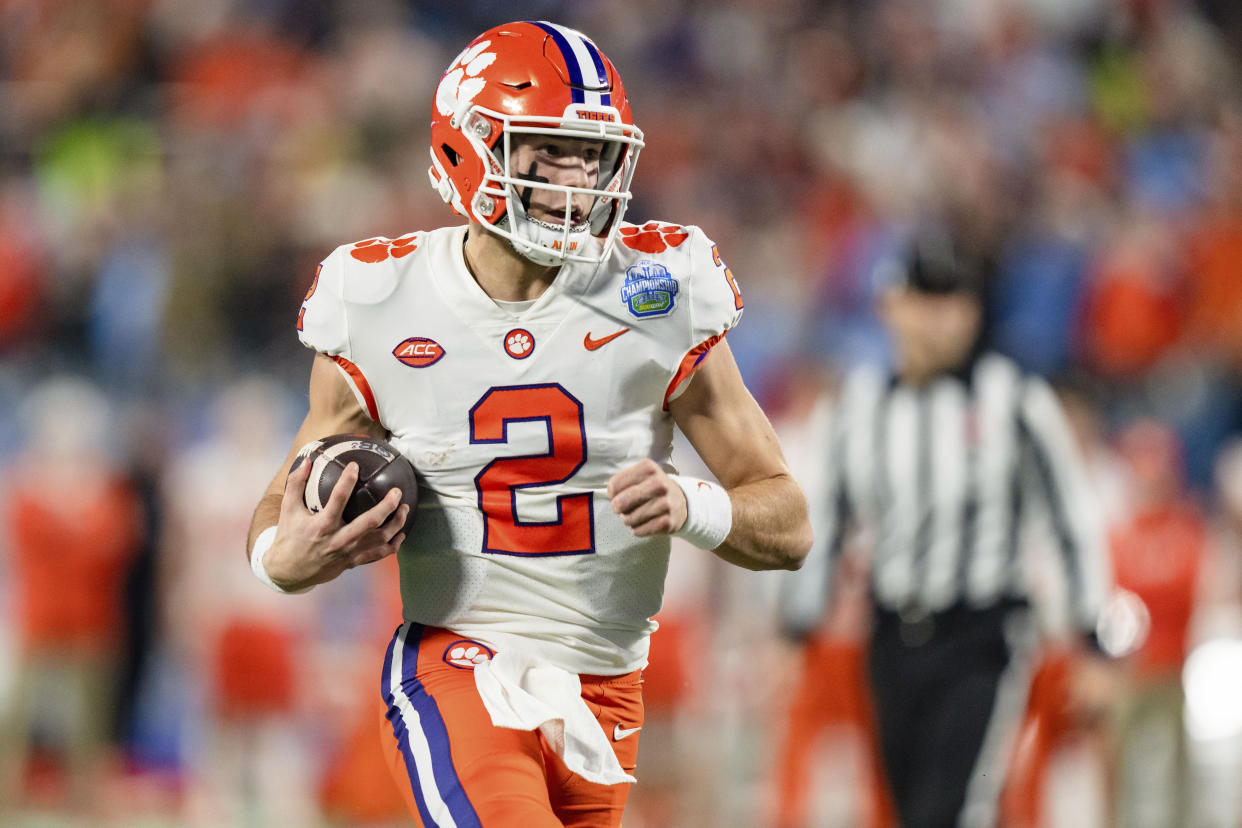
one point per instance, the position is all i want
(372, 267)
(362, 273)
(652, 238)
(717, 301)
(686, 256)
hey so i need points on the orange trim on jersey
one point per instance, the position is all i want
(689, 364)
(360, 383)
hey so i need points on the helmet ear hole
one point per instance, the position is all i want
(453, 157)
(610, 161)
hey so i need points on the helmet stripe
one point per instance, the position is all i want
(583, 61)
(601, 73)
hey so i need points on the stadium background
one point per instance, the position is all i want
(172, 170)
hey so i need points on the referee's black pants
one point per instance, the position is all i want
(949, 691)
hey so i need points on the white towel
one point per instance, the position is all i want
(522, 693)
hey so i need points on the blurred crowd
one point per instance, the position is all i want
(171, 171)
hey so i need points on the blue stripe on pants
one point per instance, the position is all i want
(423, 737)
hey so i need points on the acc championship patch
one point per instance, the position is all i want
(649, 289)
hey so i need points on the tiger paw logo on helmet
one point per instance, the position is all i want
(461, 83)
(653, 237)
(378, 249)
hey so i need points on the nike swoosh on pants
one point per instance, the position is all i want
(619, 732)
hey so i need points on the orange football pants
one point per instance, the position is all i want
(454, 767)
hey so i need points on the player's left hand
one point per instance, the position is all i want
(647, 499)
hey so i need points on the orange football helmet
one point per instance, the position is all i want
(533, 78)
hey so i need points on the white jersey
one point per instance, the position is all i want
(515, 421)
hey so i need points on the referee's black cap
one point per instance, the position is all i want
(932, 261)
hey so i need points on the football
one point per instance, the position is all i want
(380, 468)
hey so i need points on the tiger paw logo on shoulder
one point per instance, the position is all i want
(649, 289)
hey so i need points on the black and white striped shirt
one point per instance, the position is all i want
(947, 479)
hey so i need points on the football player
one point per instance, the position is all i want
(531, 364)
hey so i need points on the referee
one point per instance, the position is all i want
(946, 465)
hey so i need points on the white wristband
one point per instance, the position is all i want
(261, 544)
(709, 512)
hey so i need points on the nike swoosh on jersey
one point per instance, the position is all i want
(619, 732)
(591, 344)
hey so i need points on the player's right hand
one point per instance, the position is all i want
(315, 547)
